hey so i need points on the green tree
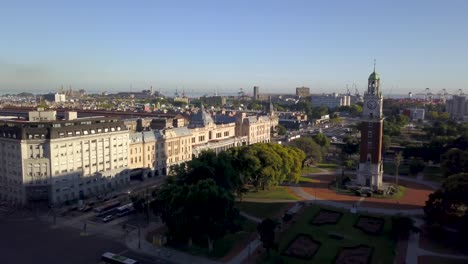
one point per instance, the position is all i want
(397, 161)
(416, 165)
(351, 145)
(199, 211)
(448, 205)
(309, 146)
(454, 161)
(281, 130)
(322, 140)
(386, 142)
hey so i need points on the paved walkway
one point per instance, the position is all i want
(420, 180)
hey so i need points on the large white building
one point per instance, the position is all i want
(44, 159)
(57, 161)
(331, 100)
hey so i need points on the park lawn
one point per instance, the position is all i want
(262, 210)
(308, 170)
(434, 174)
(383, 245)
(306, 180)
(400, 192)
(274, 193)
(389, 169)
(328, 166)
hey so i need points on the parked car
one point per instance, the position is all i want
(108, 218)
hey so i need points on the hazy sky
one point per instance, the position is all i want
(225, 45)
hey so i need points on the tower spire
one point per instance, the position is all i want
(374, 65)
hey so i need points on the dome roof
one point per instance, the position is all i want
(374, 76)
(200, 119)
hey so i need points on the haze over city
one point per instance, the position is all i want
(207, 46)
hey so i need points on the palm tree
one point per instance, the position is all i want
(397, 161)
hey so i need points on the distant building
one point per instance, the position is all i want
(214, 100)
(414, 113)
(457, 107)
(184, 100)
(331, 100)
(302, 91)
(41, 115)
(57, 97)
(256, 92)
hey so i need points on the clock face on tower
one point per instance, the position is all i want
(372, 104)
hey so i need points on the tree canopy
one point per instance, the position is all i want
(448, 206)
(197, 200)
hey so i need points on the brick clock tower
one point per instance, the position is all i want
(370, 168)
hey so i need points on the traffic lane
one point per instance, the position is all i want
(31, 241)
(145, 259)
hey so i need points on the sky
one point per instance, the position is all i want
(203, 46)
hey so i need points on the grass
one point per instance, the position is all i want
(328, 166)
(383, 245)
(433, 174)
(309, 170)
(274, 193)
(262, 210)
(306, 180)
(400, 192)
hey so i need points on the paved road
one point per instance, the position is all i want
(26, 239)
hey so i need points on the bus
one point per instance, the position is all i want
(111, 258)
(125, 210)
(106, 208)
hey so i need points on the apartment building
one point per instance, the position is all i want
(331, 100)
(142, 150)
(457, 107)
(61, 160)
(256, 129)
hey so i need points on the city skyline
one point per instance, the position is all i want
(209, 46)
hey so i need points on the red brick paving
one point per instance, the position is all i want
(415, 195)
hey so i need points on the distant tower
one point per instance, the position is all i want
(151, 90)
(370, 163)
(256, 92)
(270, 109)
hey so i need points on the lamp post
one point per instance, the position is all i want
(139, 233)
(139, 236)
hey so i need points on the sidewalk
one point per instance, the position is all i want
(433, 185)
(164, 253)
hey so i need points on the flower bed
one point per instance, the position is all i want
(326, 217)
(303, 246)
(361, 254)
(370, 225)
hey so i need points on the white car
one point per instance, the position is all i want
(108, 218)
